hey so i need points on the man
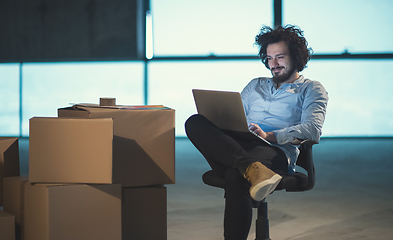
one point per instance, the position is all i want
(281, 109)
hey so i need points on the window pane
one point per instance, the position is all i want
(170, 83)
(9, 98)
(338, 25)
(204, 27)
(360, 103)
(49, 86)
(354, 108)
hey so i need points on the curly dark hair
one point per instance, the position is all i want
(297, 44)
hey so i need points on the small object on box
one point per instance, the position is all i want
(107, 101)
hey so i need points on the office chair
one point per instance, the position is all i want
(297, 182)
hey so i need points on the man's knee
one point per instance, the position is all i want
(193, 122)
(190, 122)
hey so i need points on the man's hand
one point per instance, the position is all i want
(266, 135)
(256, 129)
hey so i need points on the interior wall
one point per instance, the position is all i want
(68, 30)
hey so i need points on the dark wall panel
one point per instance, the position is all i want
(69, 30)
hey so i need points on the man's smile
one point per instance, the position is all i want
(277, 69)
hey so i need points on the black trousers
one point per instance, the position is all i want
(229, 159)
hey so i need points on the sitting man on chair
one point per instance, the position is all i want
(281, 109)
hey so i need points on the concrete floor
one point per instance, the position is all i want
(352, 199)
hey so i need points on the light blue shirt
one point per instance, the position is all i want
(293, 111)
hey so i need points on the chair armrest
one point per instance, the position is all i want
(305, 156)
(306, 161)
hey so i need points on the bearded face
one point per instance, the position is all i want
(280, 63)
(282, 73)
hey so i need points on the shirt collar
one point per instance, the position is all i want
(297, 82)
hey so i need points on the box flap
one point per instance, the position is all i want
(93, 107)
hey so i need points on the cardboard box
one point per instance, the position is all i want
(143, 142)
(72, 211)
(7, 226)
(70, 150)
(14, 195)
(9, 160)
(144, 213)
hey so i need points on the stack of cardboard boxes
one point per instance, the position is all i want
(96, 173)
(9, 166)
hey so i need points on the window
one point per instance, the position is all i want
(359, 97)
(9, 98)
(171, 82)
(186, 34)
(337, 26)
(49, 86)
(205, 27)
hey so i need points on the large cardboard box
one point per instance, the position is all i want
(72, 211)
(7, 226)
(14, 195)
(9, 160)
(70, 150)
(143, 142)
(144, 213)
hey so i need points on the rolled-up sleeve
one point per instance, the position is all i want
(312, 116)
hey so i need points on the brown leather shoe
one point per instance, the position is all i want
(263, 180)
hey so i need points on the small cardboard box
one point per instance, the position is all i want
(70, 150)
(14, 195)
(9, 160)
(72, 211)
(143, 142)
(144, 213)
(7, 226)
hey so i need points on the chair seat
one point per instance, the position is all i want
(211, 179)
(294, 182)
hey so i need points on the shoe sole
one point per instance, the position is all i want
(262, 189)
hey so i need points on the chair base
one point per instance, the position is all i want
(262, 222)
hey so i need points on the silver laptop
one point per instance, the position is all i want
(225, 110)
